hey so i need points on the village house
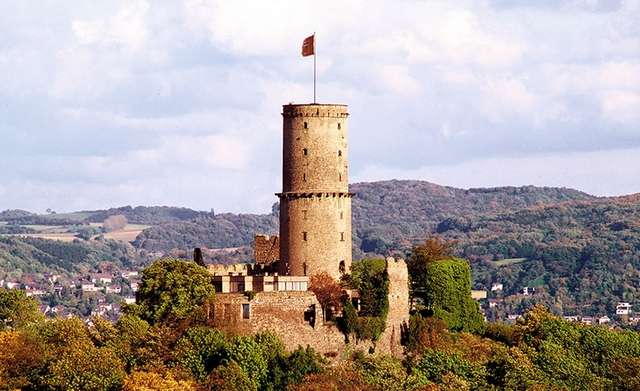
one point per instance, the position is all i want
(623, 308)
(496, 287)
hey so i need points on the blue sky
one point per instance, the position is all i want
(178, 102)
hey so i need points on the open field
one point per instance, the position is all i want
(61, 232)
(128, 234)
(508, 261)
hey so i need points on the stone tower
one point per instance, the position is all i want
(315, 203)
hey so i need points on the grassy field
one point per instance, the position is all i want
(61, 232)
(508, 261)
(128, 234)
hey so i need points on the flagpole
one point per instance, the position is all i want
(315, 50)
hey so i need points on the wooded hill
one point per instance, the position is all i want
(579, 250)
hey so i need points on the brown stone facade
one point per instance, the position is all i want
(315, 203)
(266, 249)
(296, 317)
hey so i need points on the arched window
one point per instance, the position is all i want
(339, 153)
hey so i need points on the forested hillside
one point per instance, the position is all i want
(33, 255)
(580, 252)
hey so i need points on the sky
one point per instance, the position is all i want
(136, 102)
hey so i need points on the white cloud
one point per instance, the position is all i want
(621, 107)
(139, 100)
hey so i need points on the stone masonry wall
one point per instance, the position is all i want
(266, 249)
(287, 314)
(315, 203)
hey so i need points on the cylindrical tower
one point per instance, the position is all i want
(315, 203)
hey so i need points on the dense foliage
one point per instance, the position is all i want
(20, 255)
(369, 277)
(172, 290)
(541, 351)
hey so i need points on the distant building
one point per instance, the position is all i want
(113, 289)
(496, 287)
(623, 308)
(129, 300)
(527, 290)
(604, 320)
(478, 294)
(88, 287)
(570, 318)
(588, 320)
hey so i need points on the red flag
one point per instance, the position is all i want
(309, 46)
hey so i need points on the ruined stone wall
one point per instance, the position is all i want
(266, 249)
(398, 316)
(315, 203)
(285, 314)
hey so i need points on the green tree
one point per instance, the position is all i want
(230, 377)
(16, 309)
(173, 289)
(201, 349)
(444, 286)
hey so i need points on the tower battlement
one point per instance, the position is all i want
(315, 110)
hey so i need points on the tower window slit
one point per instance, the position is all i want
(339, 125)
(304, 177)
(339, 153)
(342, 236)
(305, 125)
(305, 152)
(304, 236)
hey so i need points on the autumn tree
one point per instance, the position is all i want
(151, 381)
(329, 293)
(114, 223)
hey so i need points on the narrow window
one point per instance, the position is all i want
(341, 267)
(339, 153)
(304, 236)
(304, 177)
(304, 269)
(305, 125)
(342, 236)
(305, 151)
(340, 177)
(246, 310)
(341, 215)
(339, 127)
(304, 215)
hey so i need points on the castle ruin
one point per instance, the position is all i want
(315, 237)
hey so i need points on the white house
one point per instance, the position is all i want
(587, 320)
(604, 320)
(496, 287)
(113, 289)
(89, 288)
(623, 308)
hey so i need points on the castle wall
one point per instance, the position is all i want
(266, 249)
(315, 203)
(296, 317)
(398, 316)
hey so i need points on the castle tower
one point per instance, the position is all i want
(315, 203)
